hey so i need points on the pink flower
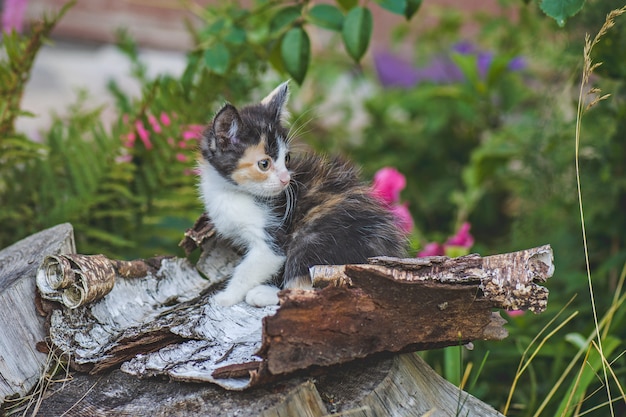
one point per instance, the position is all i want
(165, 119)
(462, 237)
(13, 15)
(388, 182)
(129, 140)
(194, 171)
(181, 157)
(432, 249)
(193, 132)
(143, 134)
(154, 123)
(455, 246)
(403, 217)
(515, 313)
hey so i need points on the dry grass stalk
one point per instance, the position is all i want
(588, 69)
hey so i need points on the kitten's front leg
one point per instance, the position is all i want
(256, 268)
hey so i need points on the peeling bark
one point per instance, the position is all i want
(156, 317)
(171, 327)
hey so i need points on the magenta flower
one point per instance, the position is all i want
(388, 182)
(193, 132)
(143, 134)
(13, 15)
(462, 237)
(165, 119)
(457, 245)
(403, 217)
(515, 313)
(129, 140)
(432, 249)
(154, 123)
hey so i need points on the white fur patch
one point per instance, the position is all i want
(262, 296)
(236, 215)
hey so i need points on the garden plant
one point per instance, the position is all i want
(514, 139)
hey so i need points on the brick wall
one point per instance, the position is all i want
(160, 23)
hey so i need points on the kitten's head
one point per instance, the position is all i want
(248, 147)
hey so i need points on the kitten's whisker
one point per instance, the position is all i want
(297, 131)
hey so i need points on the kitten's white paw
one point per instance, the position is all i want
(262, 296)
(228, 298)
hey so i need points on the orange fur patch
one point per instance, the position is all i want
(327, 205)
(247, 170)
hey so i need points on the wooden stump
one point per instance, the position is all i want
(21, 327)
(402, 386)
(321, 351)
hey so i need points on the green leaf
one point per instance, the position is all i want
(276, 59)
(296, 52)
(347, 4)
(217, 58)
(561, 10)
(357, 31)
(412, 6)
(236, 36)
(284, 17)
(326, 16)
(394, 6)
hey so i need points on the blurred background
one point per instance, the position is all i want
(473, 106)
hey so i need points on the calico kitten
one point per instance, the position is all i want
(287, 213)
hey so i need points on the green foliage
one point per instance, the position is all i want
(493, 146)
(277, 32)
(357, 31)
(561, 10)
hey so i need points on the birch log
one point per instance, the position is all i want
(20, 363)
(158, 319)
(399, 386)
(166, 323)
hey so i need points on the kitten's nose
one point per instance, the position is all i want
(284, 177)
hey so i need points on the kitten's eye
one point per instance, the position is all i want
(287, 158)
(264, 164)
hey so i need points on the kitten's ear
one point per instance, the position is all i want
(276, 101)
(224, 128)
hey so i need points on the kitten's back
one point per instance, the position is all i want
(336, 219)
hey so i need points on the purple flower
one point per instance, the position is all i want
(464, 47)
(394, 71)
(13, 15)
(483, 62)
(518, 63)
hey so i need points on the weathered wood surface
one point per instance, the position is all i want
(400, 386)
(158, 320)
(20, 325)
(397, 305)
(166, 324)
